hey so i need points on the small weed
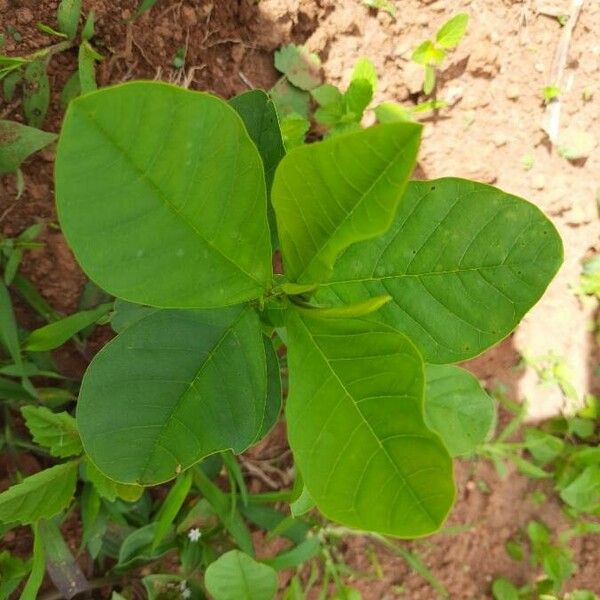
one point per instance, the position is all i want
(431, 54)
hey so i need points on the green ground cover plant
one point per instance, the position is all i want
(223, 256)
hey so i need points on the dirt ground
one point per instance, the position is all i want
(492, 132)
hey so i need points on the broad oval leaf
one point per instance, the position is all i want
(237, 576)
(457, 408)
(331, 194)
(171, 389)
(155, 158)
(463, 262)
(355, 425)
(39, 496)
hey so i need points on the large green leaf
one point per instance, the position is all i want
(39, 496)
(331, 194)
(463, 262)
(161, 195)
(171, 389)
(237, 576)
(457, 408)
(355, 425)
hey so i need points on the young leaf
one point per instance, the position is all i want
(36, 92)
(187, 383)
(17, 142)
(87, 67)
(427, 54)
(237, 576)
(144, 6)
(301, 67)
(171, 506)
(289, 100)
(11, 390)
(346, 311)
(455, 303)
(89, 28)
(38, 567)
(68, 15)
(356, 428)
(503, 589)
(384, 5)
(451, 32)
(192, 173)
(331, 194)
(56, 431)
(56, 334)
(365, 70)
(12, 571)
(229, 516)
(297, 556)
(583, 493)
(457, 408)
(71, 90)
(39, 496)
(9, 335)
(543, 447)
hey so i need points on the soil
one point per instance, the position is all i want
(492, 132)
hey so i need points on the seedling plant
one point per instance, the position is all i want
(178, 204)
(431, 54)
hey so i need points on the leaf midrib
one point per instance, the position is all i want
(423, 274)
(144, 176)
(402, 477)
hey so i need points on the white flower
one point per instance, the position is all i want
(187, 593)
(183, 585)
(194, 534)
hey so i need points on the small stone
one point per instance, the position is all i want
(538, 181)
(470, 485)
(24, 16)
(412, 77)
(512, 91)
(189, 16)
(453, 94)
(499, 139)
(539, 67)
